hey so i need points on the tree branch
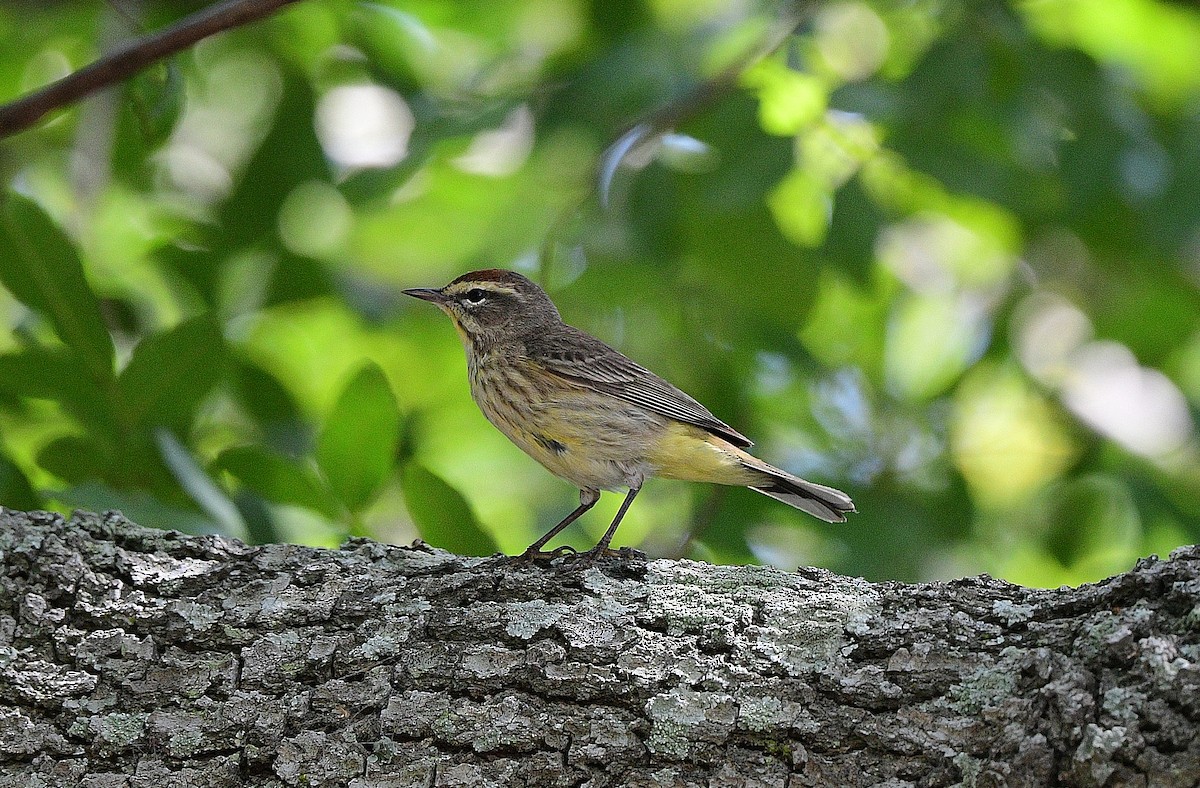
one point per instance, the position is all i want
(128, 60)
(139, 657)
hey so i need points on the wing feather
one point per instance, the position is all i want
(581, 358)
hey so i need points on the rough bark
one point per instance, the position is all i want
(134, 657)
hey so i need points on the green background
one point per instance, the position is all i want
(944, 256)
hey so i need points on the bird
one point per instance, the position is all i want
(592, 416)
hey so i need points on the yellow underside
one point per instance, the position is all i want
(689, 453)
(678, 451)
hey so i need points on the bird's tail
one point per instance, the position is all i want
(818, 500)
(686, 452)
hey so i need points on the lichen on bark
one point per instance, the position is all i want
(133, 657)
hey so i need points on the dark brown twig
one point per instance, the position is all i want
(120, 64)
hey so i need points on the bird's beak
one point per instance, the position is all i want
(427, 294)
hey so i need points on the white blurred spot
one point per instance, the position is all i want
(196, 171)
(617, 153)
(1101, 381)
(933, 254)
(686, 154)
(1049, 331)
(224, 120)
(501, 151)
(1136, 406)
(364, 126)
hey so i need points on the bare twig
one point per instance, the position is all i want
(123, 63)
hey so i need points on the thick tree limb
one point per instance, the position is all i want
(123, 63)
(143, 658)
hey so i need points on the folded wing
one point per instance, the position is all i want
(585, 360)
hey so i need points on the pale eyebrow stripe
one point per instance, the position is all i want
(463, 287)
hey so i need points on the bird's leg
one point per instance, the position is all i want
(601, 548)
(587, 499)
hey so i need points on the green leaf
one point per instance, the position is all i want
(443, 515)
(357, 449)
(40, 267)
(298, 278)
(801, 206)
(15, 490)
(398, 43)
(156, 97)
(170, 373)
(1092, 524)
(140, 507)
(265, 399)
(278, 479)
(56, 374)
(259, 519)
(75, 458)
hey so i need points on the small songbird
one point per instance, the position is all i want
(589, 414)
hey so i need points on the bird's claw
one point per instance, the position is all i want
(532, 556)
(590, 558)
(571, 559)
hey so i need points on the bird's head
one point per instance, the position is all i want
(491, 305)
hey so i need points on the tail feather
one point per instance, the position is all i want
(818, 500)
(732, 465)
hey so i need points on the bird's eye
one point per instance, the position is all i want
(475, 296)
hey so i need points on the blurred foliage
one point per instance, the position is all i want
(945, 256)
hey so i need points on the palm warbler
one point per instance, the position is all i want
(589, 414)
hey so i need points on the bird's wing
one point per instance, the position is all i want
(585, 360)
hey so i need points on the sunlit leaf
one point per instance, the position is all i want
(39, 265)
(802, 207)
(930, 342)
(442, 514)
(1004, 438)
(790, 99)
(847, 323)
(357, 447)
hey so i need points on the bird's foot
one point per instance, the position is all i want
(590, 558)
(533, 556)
